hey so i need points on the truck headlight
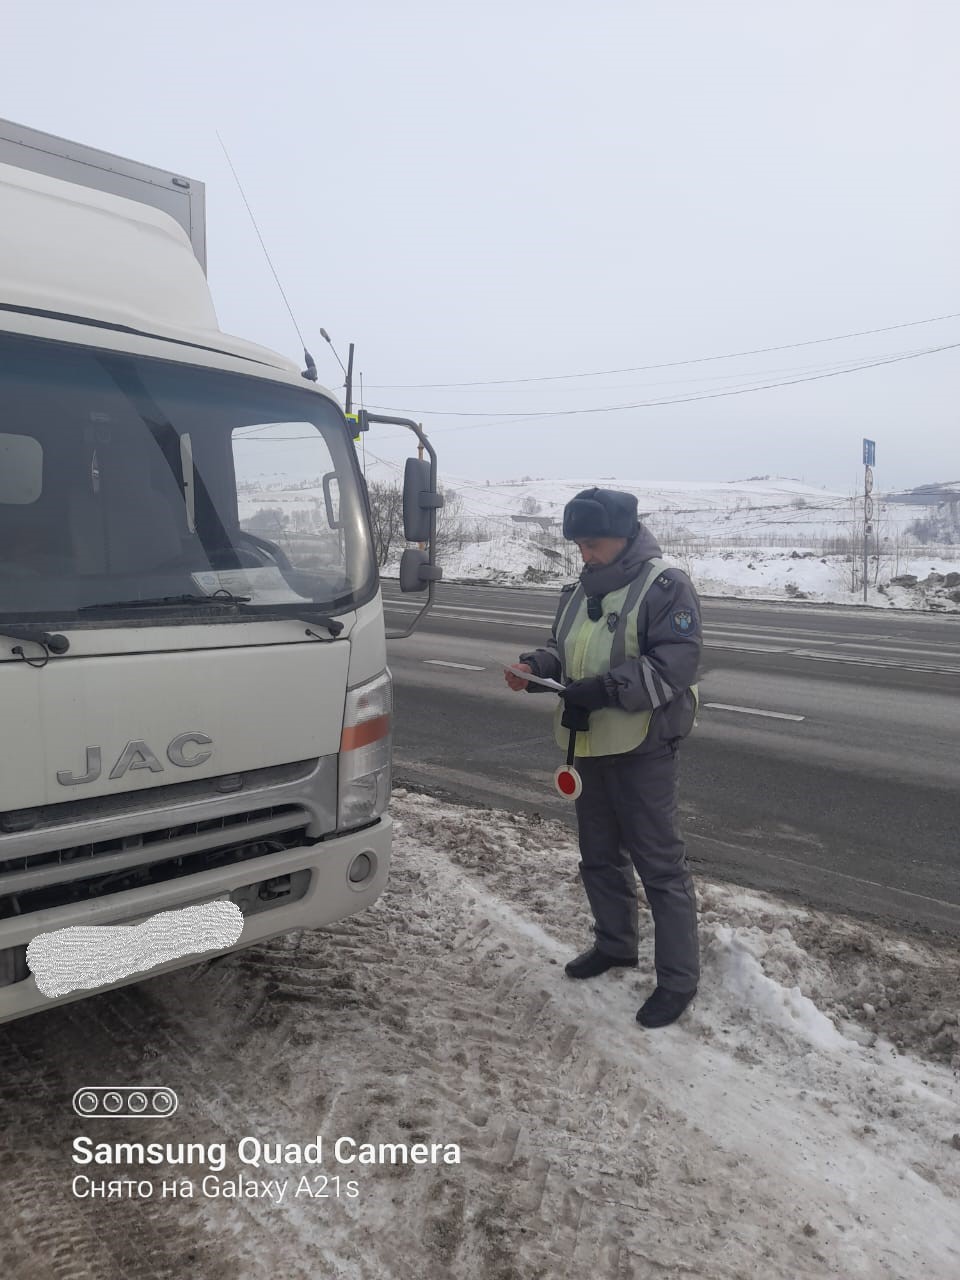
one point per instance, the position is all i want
(364, 787)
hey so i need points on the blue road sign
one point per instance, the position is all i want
(869, 452)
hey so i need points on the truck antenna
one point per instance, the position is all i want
(310, 372)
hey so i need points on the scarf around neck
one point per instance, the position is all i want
(600, 580)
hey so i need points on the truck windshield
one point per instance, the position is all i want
(127, 479)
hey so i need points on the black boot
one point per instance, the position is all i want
(594, 962)
(664, 1007)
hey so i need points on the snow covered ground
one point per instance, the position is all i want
(762, 539)
(769, 539)
(760, 574)
(802, 1121)
(800, 574)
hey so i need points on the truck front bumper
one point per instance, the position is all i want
(327, 894)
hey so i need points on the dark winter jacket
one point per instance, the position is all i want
(669, 634)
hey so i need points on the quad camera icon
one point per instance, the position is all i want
(125, 1102)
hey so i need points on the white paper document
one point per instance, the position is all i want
(547, 684)
(261, 586)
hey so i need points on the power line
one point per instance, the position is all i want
(669, 364)
(526, 415)
(686, 379)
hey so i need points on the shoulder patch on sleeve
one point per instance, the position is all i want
(683, 622)
(672, 577)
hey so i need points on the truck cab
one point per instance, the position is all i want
(195, 698)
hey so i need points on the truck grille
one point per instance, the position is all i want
(72, 855)
(37, 882)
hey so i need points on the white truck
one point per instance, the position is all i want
(194, 691)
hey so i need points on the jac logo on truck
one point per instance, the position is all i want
(186, 751)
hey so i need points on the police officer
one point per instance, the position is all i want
(627, 639)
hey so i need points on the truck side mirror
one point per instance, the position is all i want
(416, 571)
(419, 501)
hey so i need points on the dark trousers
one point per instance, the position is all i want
(627, 818)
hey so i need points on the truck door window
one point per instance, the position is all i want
(280, 468)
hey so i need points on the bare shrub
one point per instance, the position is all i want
(386, 515)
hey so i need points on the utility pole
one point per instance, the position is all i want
(869, 458)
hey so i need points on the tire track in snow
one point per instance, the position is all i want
(441, 1015)
(59, 1235)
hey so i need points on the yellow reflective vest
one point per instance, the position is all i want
(588, 648)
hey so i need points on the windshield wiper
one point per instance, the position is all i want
(156, 602)
(223, 598)
(50, 640)
(300, 612)
(321, 620)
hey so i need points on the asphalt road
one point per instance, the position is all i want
(844, 793)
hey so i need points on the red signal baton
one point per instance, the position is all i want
(567, 780)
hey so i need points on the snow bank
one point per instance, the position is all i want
(738, 958)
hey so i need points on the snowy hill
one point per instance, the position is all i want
(760, 537)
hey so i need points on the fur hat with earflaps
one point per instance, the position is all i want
(600, 513)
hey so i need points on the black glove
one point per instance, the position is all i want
(576, 719)
(591, 694)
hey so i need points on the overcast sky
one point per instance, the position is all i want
(535, 189)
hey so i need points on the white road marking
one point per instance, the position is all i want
(895, 648)
(743, 648)
(461, 666)
(854, 660)
(496, 618)
(753, 711)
